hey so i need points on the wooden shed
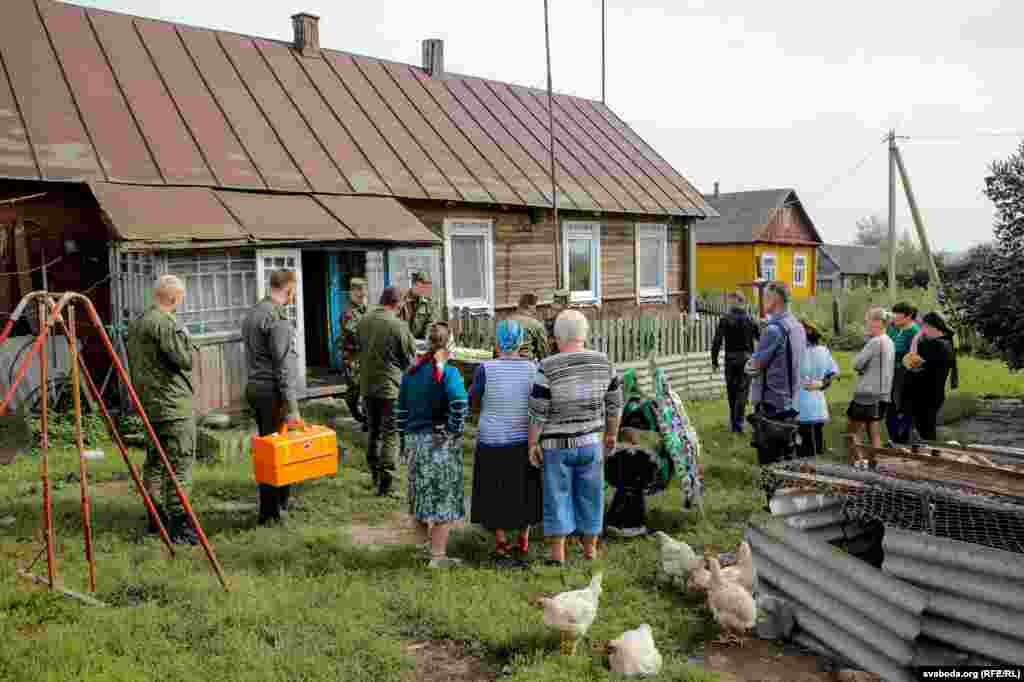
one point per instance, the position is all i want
(163, 148)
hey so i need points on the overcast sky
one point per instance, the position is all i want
(748, 93)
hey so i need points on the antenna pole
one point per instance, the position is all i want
(551, 151)
(892, 214)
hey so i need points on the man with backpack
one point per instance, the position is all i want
(775, 368)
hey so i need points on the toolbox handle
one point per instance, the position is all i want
(284, 427)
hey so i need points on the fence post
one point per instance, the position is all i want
(835, 315)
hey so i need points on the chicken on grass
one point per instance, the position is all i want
(732, 606)
(572, 613)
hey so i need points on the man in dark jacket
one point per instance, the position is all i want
(739, 332)
(388, 349)
(160, 357)
(273, 363)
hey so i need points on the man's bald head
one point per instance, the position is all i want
(571, 327)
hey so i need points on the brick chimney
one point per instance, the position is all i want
(307, 34)
(433, 57)
(716, 190)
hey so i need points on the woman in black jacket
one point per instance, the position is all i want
(931, 359)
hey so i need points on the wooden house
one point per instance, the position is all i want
(842, 267)
(131, 147)
(764, 234)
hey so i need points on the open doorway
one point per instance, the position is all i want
(325, 294)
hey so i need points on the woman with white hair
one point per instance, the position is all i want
(576, 396)
(875, 364)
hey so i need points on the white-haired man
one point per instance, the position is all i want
(575, 397)
(160, 358)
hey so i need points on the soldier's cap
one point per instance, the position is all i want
(357, 283)
(421, 277)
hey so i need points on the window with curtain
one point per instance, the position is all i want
(768, 266)
(799, 270)
(581, 246)
(652, 260)
(469, 264)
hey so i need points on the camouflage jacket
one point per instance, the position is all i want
(387, 348)
(160, 360)
(418, 313)
(349, 334)
(270, 351)
(535, 337)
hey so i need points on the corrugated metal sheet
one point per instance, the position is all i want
(166, 213)
(136, 100)
(378, 219)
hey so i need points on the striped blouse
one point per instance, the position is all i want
(573, 395)
(503, 387)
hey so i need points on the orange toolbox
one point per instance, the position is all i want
(298, 455)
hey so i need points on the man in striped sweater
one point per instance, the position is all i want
(575, 397)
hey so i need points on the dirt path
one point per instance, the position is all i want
(759, 661)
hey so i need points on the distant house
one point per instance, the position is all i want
(842, 267)
(763, 233)
(131, 147)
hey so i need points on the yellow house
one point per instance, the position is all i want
(763, 234)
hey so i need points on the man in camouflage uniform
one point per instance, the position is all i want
(160, 357)
(350, 346)
(561, 303)
(387, 350)
(535, 334)
(272, 361)
(418, 310)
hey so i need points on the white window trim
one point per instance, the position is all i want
(454, 227)
(652, 231)
(769, 255)
(583, 230)
(800, 258)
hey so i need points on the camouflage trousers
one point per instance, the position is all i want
(178, 438)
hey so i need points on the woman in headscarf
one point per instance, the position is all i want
(432, 405)
(930, 361)
(817, 371)
(507, 491)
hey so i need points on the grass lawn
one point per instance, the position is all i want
(307, 604)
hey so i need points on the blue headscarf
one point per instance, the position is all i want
(510, 336)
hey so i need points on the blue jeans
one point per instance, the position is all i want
(573, 491)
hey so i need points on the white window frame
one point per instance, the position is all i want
(800, 258)
(472, 227)
(658, 232)
(769, 256)
(583, 230)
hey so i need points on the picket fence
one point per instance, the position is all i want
(619, 338)
(682, 347)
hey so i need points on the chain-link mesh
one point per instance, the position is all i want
(932, 507)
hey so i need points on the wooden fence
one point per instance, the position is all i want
(618, 338)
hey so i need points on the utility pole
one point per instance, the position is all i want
(892, 214)
(604, 31)
(918, 221)
(551, 141)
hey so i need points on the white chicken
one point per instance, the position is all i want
(742, 572)
(675, 558)
(634, 654)
(572, 613)
(732, 606)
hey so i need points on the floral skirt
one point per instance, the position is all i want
(436, 487)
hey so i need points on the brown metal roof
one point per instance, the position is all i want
(158, 214)
(166, 213)
(133, 100)
(377, 218)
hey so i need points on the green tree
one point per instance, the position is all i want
(989, 294)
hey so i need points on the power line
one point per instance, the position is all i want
(965, 136)
(832, 184)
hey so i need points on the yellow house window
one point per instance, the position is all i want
(768, 266)
(799, 270)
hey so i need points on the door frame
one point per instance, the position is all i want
(300, 322)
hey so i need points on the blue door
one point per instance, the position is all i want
(342, 266)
